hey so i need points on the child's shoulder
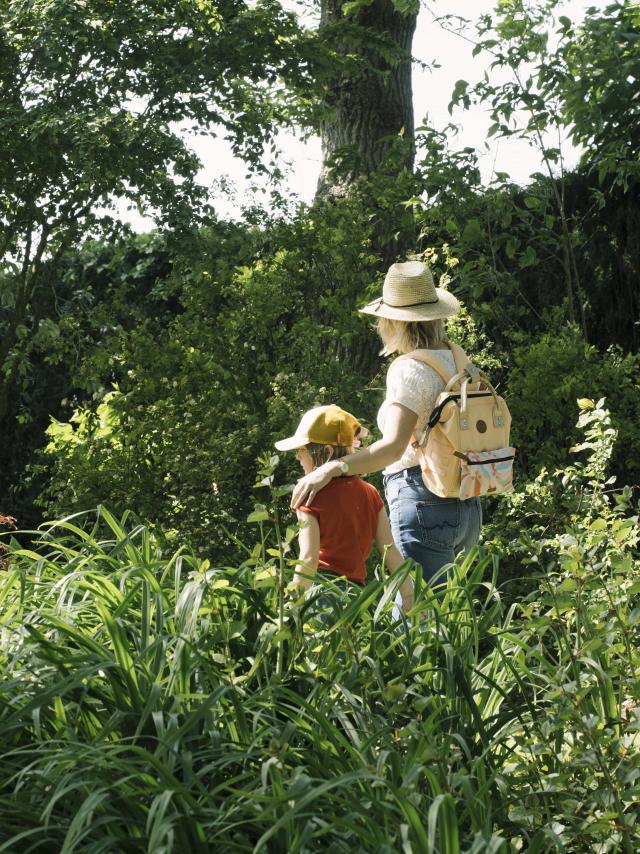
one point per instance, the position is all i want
(354, 484)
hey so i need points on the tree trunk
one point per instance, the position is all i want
(369, 102)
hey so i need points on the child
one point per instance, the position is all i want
(346, 516)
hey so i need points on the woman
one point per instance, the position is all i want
(427, 528)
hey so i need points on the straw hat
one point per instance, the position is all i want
(408, 293)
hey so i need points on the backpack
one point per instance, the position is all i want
(464, 449)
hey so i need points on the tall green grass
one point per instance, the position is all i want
(158, 703)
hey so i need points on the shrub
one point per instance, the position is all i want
(164, 701)
(546, 378)
(196, 399)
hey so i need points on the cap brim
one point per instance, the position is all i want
(291, 444)
(446, 306)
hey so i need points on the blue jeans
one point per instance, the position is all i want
(427, 528)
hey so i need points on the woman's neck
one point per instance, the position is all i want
(441, 345)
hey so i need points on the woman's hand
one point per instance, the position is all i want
(310, 485)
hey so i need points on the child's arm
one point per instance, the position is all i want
(309, 542)
(392, 557)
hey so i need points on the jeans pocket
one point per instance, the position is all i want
(440, 522)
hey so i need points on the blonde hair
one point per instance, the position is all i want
(403, 336)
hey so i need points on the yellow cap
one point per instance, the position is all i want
(325, 425)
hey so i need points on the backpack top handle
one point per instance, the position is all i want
(498, 416)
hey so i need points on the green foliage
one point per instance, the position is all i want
(235, 343)
(503, 248)
(162, 689)
(205, 389)
(541, 522)
(576, 81)
(581, 630)
(91, 97)
(599, 91)
(545, 379)
(201, 706)
(104, 290)
(169, 321)
(583, 78)
(157, 681)
(93, 100)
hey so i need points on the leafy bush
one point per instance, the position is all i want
(546, 378)
(581, 630)
(199, 358)
(198, 395)
(162, 703)
(169, 703)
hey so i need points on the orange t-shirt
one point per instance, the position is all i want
(347, 513)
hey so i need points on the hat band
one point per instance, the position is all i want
(407, 304)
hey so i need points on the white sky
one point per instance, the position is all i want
(431, 93)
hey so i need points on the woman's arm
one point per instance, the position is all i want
(392, 557)
(309, 543)
(399, 424)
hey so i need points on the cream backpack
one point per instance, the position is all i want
(464, 449)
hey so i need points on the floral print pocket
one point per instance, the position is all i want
(486, 472)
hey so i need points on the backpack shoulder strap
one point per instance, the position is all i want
(464, 365)
(465, 369)
(433, 362)
(459, 357)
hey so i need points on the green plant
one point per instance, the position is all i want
(203, 707)
(547, 375)
(581, 638)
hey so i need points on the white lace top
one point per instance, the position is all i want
(416, 386)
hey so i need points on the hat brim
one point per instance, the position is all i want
(446, 306)
(291, 444)
(295, 442)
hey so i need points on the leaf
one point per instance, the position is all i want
(265, 578)
(534, 203)
(528, 259)
(279, 491)
(511, 247)
(407, 7)
(260, 515)
(352, 7)
(603, 171)
(472, 231)
(459, 89)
